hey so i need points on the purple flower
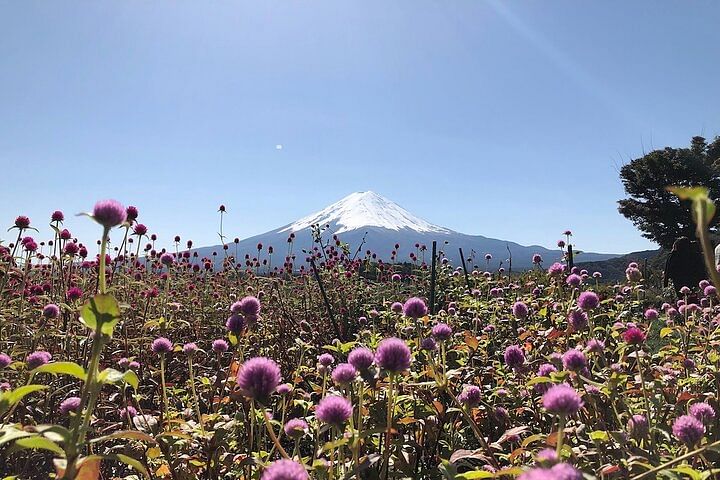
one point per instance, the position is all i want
(520, 310)
(22, 222)
(442, 332)
(249, 306)
(283, 389)
(537, 259)
(5, 360)
(70, 404)
(37, 359)
(295, 428)
(595, 346)
(235, 324)
(428, 344)
(638, 426)
(285, 469)
(578, 320)
(167, 259)
(703, 412)
(561, 471)
(415, 308)
(109, 213)
(396, 307)
(651, 314)
(688, 430)
(574, 360)
(51, 311)
(334, 410)
(219, 346)
(343, 374)
(161, 345)
(258, 378)
(562, 400)
(189, 348)
(128, 411)
(588, 300)
(361, 358)
(393, 355)
(470, 395)
(547, 457)
(326, 360)
(710, 291)
(556, 269)
(131, 212)
(634, 336)
(514, 356)
(573, 280)
(57, 216)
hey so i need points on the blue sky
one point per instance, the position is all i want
(506, 119)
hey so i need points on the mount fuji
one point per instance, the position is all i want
(367, 221)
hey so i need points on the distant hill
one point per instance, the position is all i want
(366, 221)
(613, 269)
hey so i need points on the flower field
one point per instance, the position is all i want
(135, 361)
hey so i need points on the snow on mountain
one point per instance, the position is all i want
(365, 209)
(366, 221)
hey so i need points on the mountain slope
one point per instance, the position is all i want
(378, 224)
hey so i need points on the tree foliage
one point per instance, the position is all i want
(659, 214)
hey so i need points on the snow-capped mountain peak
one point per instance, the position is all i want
(365, 209)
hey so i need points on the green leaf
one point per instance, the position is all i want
(664, 332)
(131, 379)
(703, 206)
(689, 471)
(40, 443)
(101, 311)
(110, 375)
(475, 474)
(64, 368)
(536, 380)
(10, 433)
(8, 399)
(599, 436)
(129, 434)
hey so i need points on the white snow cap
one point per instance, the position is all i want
(365, 209)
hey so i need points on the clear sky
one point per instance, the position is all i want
(508, 119)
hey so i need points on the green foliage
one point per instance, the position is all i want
(659, 214)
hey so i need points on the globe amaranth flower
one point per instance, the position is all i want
(578, 319)
(556, 269)
(51, 311)
(637, 426)
(520, 310)
(161, 345)
(284, 389)
(651, 314)
(561, 471)
(574, 360)
(709, 291)
(326, 360)
(688, 430)
(246, 306)
(588, 300)
(573, 280)
(167, 259)
(415, 307)
(595, 346)
(470, 395)
(537, 259)
(5, 360)
(37, 359)
(343, 374)
(393, 355)
(428, 344)
(285, 469)
(547, 457)
(562, 400)
(57, 216)
(22, 222)
(361, 358)
(128, 411)
(70, 404)
(396, 307)
(258, 378)
(703, 412)
(442, 332)
(219, 346)
(334, 410)
(131, 213)
(295, 428)
(514, 356)
(109, 213)
(189, 348)
(634, 336)
(235, 324)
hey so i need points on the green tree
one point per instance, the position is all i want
(657, 213)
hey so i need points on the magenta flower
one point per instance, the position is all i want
(562, 400)
(109, 213)
(361, 358)
(334, 410)
(415, 307)
(37, 359)
(442, 332)
(249, 306)
(22, 222)
(51, 311)
(638, 426)
(574, 360)
(561, 471)
(588, 300)
(634, 336)
(393, 355)
(295, 428)
(520, 310)
(189, 348)
(5, 360)
(161, 346)
(219, 346)
(326, 359)
(688, 430)
(470, 395)
(343, 374)
(258, 378)
(57, 216)
(514, 356)
(284, 469)
(70, 404)
(703, 412)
